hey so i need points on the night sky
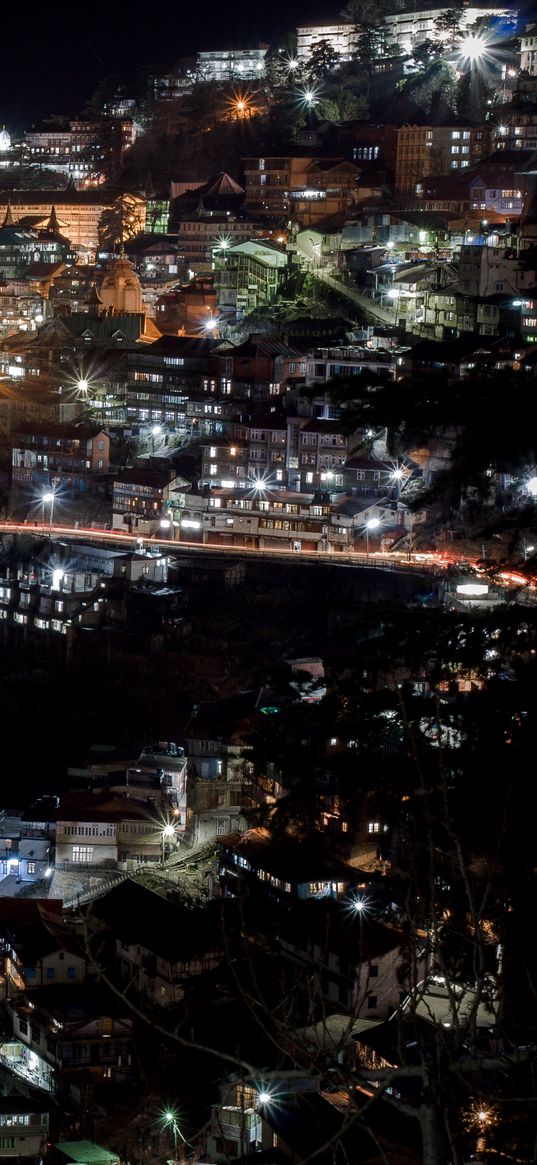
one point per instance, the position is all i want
(53, 64)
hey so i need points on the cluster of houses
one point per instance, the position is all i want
(90, 936)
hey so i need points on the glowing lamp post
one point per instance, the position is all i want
(394, 296)
(167, 833)
(372, 524)
(155, 432)
(48, 499)
(169, 1120)
(531, 487)
(397, 477)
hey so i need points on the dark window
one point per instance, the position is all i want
(371, 1001)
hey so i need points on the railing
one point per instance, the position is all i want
(89, 895)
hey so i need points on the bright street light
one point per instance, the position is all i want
(155, 432)
(371, 524)
(170, 1118)
(531, 487)
(473, 48)
(168, 832)
(47, 498)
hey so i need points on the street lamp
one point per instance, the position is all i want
(372, 524)
(170, 1118)
(155, 432)
(167, 832)
(48, 499)
(397, 476)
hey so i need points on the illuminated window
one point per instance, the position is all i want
(83, 853)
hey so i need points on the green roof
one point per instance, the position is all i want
(86, 1152)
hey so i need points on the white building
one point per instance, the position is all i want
(488, 270)
(232, 64)
(528, 52)
(404, 29)
(23, 1127)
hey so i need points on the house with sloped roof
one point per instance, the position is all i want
(160, 946)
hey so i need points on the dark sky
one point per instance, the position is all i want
(52, 64)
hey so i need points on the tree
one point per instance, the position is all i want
(340, 104)
(448, 26)
(322, 60)
(437, 85)
(370, 34)
(118, 223)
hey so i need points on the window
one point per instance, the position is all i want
(373, 971)
(83, 853)
(371, 1002)
(51, 974)
(373, 827)
(30, 867)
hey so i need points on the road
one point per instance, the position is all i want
(398, 560)
(425, 563)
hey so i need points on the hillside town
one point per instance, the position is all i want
(268, 576)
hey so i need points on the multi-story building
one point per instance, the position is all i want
(486, 270)
(515, 126)
(57, 1029)
(142, 499)
(324, 363)
(188, 310)
(259, 367)
(68, 457)
(528, 50)
(406, 29)
(248, 275)
(266, 517)
(21, 248)
(164, 375)
(108, 828)
(528, 318)
(200, 238)
(84, 150)
(323, 451)
(305, 188)
(79, 211)
(232, 64)
(497, 190)
(340, 36)
(24, 1123)
(437, 149)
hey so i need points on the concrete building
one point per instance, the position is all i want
(24, 1123)
(303, 188)
(406, 29)
(437, 149)
(141, 497)
(528, 50)
(78, 211)
(486, 270)
(248, 275)
(69, 458)
(232, 64)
